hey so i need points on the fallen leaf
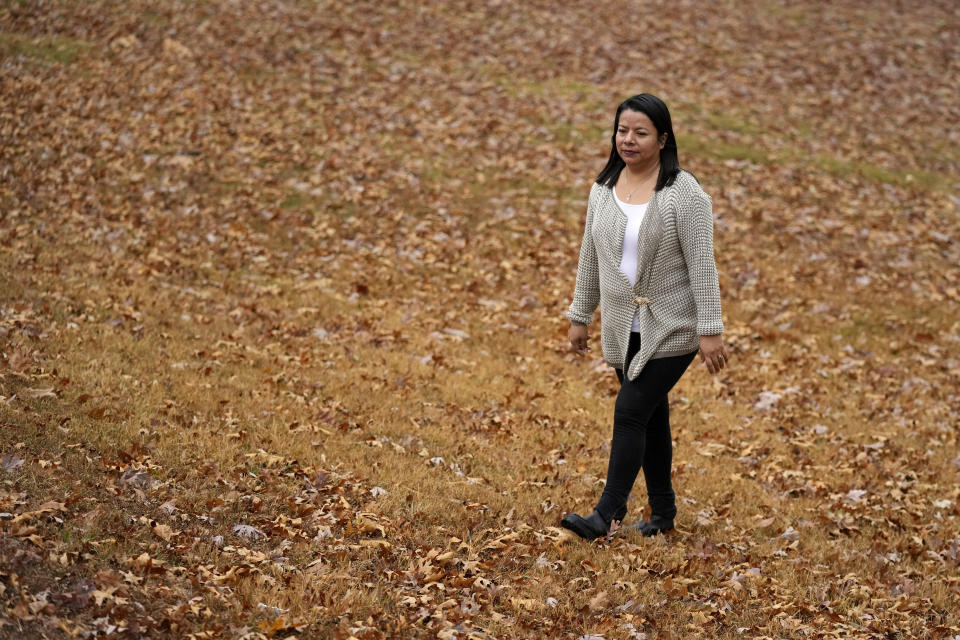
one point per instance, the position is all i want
(44, 392)
(11, 463)
(599, 602)
(248, 531)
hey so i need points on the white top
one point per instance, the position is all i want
(631, 239)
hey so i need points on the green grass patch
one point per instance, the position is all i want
(864, 325)
(566, 132)
(731, 122)
(156, 18)
(56, 49)
(798, 14)
(712, 148)
(875, 173)
(255, 73)
(587, 94)
(294, 200)
(723, 150)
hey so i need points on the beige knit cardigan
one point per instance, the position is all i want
(676, 291)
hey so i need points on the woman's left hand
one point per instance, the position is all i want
(713, 353)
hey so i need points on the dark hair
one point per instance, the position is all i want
(657, 111)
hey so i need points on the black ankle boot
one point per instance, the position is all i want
(620, 514)
(654, 525)
(589, 528)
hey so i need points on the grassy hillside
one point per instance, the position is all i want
(282, 346)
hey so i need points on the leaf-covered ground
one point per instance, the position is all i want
(281, 325)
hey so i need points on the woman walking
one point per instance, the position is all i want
(647, 260)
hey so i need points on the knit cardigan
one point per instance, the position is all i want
(676, 292)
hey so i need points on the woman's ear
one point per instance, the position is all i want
(663, 139)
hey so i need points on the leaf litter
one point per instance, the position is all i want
(259, 380)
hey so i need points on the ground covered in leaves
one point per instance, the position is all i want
(282, 335)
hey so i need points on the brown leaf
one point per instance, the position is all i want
(365, 524)
(599, 602)
(164, 531)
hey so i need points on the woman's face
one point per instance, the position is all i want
(637, 139)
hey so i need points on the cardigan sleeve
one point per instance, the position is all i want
(586, 294)
(695, 228)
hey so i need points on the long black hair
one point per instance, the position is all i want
(657, 111)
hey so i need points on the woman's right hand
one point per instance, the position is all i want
(578, 339)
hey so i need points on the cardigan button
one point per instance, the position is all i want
(640, 301)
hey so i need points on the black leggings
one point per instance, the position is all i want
(641, 436)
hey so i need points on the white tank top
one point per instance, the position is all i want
(631, 242)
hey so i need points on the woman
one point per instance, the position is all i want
(647, 260)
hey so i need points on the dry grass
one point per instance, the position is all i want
(218, 310)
